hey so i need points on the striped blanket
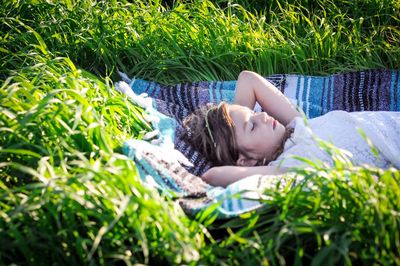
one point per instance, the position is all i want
(353, 91)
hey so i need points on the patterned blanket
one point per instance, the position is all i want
(353, 91)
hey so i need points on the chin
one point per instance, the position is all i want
(282, 128)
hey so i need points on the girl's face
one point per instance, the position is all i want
(258, 135)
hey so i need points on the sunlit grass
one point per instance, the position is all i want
(69, 196)
(333, 217)
(199, 40)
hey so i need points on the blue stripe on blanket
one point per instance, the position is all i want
(316, 96)
(394, 91)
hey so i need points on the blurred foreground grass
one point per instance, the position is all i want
(68, 195)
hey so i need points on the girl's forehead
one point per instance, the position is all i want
(239, 116)
(237, 112)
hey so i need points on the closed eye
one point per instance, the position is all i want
(253, 126)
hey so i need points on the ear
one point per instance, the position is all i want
(245, 161)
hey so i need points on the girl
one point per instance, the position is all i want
(241, 142)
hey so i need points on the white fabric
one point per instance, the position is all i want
(342, 130)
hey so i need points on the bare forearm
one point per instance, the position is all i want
(252, 88)
(226, 175)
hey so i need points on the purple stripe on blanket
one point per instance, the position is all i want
(396, 93)
(384, 91)
(337, 91)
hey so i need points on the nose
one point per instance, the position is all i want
(263, 117)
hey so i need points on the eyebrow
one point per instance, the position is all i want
(245, 124)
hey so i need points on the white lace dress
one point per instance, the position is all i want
(342, 129)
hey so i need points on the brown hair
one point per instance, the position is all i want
(210, 130)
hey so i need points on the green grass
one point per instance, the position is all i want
(201, 41)
(69, 196)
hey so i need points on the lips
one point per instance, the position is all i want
(273, 124)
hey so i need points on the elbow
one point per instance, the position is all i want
(213, 177)
(246, 74)
(208, 176)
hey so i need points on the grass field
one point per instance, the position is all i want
(67, 194)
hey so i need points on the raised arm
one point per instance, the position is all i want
(252, 88)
